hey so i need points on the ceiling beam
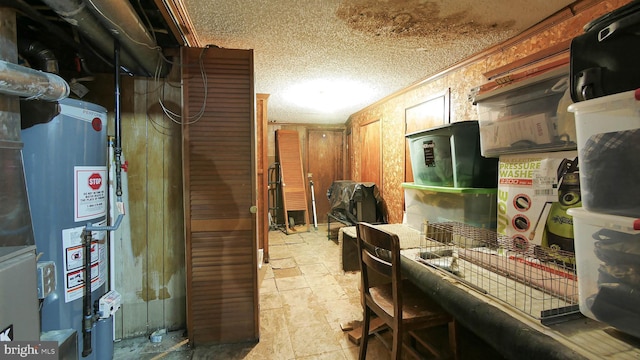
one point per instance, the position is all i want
(178, 20)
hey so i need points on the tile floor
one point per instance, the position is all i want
(305, 298)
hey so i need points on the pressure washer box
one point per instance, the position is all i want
(534, 192)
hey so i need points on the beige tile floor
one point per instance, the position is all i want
(305, 297)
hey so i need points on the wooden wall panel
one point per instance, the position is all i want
(173, 291)
(370, 166)
(219, 162)
(325, 163)
(263, 166)
(150, 256)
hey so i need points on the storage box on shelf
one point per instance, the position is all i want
(527, 116)
(608, 133)
(449, 155)
(608, 264)
(473, 206)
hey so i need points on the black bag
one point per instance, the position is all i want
(605, 60)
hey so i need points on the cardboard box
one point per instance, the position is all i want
(534, 193)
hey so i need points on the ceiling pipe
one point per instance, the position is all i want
(121, 20)
(76, 13)
(33, 84)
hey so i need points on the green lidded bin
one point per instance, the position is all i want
(449, 155)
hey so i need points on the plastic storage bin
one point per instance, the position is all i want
(528, 116)
(608, 264)
(449, 155)
(608, 130)
(473, 206)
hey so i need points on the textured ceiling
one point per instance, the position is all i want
(370, 49)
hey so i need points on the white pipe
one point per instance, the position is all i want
(26, 82)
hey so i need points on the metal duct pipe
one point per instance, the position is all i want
(23, 81)
(119, 17)
(77, 14)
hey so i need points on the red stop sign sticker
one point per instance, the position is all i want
(95, 181)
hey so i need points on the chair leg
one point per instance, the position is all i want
(396, 352)
(366, 319)
(453, 340)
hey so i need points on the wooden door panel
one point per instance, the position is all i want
(370, 164)
(219, 170)
(325, 163)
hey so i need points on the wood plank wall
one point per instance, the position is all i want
(459, 79)
(150, 256)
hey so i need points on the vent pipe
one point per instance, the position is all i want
(22, 81)
(142, 56)
(121, 20)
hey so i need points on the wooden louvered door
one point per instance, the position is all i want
(293, 184)
(220, 195)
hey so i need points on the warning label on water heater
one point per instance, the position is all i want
(74, 260)
(90, 194)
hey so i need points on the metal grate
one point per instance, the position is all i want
(535, 280)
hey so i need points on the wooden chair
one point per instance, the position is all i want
(402, 306)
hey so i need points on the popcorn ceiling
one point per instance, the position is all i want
(387, 45)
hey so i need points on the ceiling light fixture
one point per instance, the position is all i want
(328, 96)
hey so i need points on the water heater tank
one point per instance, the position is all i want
(65, 163)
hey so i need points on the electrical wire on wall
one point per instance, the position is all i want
(177, 118)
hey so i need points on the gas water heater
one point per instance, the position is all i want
(65, 162)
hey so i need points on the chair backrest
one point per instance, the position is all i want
(379, 255)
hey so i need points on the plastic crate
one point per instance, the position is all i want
(475, 206)
(608, 263)
(449, 155)
(527, 116)
(608, 130)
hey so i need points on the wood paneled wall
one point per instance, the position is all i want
(460, 79)
(149, 266)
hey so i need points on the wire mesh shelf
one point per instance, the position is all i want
(539, 281)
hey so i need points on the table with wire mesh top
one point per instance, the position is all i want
(521, 299)
(538, 281)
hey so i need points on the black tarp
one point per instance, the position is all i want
(351, 202)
